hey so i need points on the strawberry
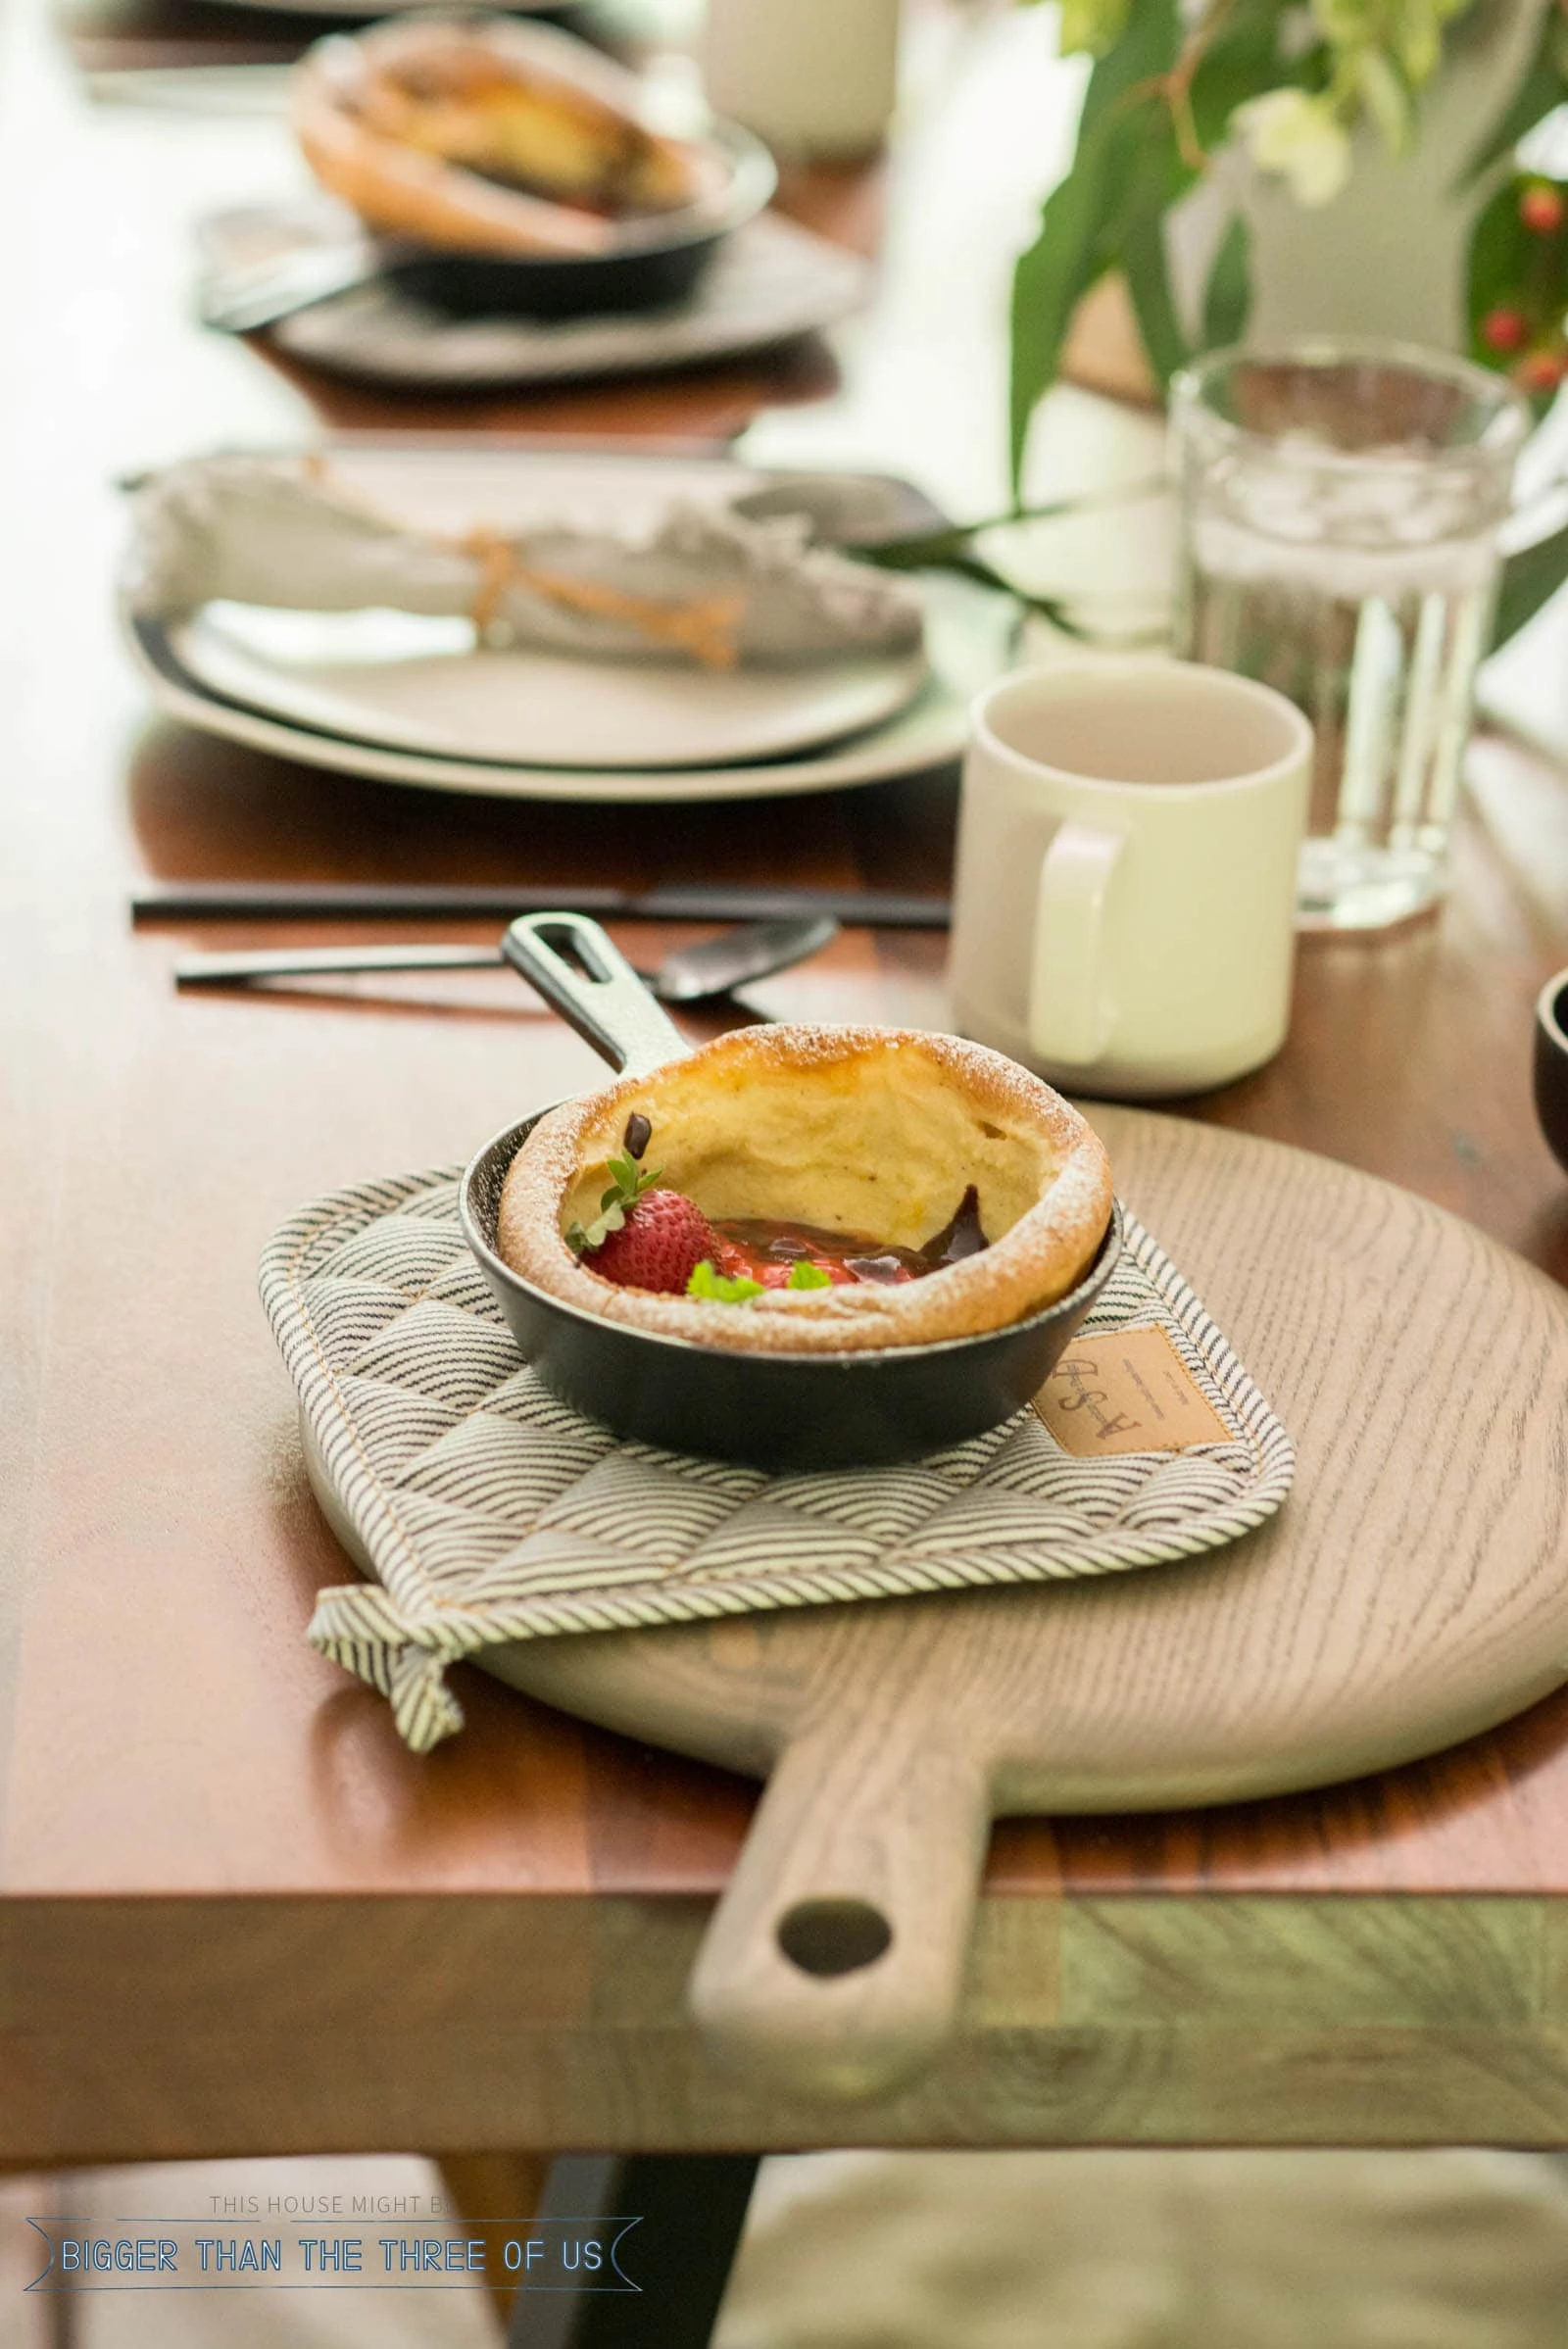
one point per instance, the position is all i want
(737, 1261)
(663, 1237)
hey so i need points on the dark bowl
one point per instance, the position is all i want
(1551, 1065)
(782, 1411)
(655, 262)
(486, 285)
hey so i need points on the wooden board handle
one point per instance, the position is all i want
(835, 1960)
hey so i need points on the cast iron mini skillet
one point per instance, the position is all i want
(804, 1412)
(653, 264)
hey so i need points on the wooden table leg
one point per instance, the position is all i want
(55, 2312)
(496, 2186)
(692, 2207)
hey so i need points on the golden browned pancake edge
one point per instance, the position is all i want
(865, 1130)
(346, 93)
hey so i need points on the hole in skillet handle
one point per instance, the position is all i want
(830, 1938)
(575, 949)
(582, 974)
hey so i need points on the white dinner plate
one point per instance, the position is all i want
(455, 488)
(974, 648)
(408, 683)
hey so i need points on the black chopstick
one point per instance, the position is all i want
(373, 900)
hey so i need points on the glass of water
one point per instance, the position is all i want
(1341, 504)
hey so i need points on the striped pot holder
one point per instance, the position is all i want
(489, 1512)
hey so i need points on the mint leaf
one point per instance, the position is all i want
(804, 1274)
(628, 1181)
(720, 1290)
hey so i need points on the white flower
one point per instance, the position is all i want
(1298, 136)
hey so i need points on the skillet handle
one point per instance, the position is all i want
(585, 976)
(834, 1964)
(249, 302)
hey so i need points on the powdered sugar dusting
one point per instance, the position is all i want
(738, 1082)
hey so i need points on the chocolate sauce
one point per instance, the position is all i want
(766, 1250)
(961, 1237)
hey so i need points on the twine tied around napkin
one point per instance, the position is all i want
(707, 581)
(489, 1512)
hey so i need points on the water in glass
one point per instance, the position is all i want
(1340, 543)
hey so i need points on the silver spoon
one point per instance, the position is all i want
(690, 975)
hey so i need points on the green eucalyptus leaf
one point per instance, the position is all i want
(1150, 47)
(1078, 241)
(1227, 295)
(970, 565)
(1510, 267)
(1531, 577)
(1241, 60)
(1048, 283)
(1144, 261)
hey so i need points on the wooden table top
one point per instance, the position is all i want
(170, 1743)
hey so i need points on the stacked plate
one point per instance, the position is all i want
(772, 281)
(409, 700)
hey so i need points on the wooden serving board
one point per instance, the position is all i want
(1412, 1592)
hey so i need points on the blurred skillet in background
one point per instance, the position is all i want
(503, 169)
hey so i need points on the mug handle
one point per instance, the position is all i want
(1070, 1012)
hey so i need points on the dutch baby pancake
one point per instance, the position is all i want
(806, 1190)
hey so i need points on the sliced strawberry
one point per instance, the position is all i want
(733, 1260)
(779, 1276)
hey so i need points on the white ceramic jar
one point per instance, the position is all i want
(814, 77)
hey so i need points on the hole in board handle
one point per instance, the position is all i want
(833, 1937)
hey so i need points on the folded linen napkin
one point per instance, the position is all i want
(706, 582)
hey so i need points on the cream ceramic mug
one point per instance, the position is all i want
(1125, 900)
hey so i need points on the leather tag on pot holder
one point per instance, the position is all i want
(1120, 1391)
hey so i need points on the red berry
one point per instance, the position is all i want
(1541, 207)
(1540, 370)
(664, 1238)
(1503, 329)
